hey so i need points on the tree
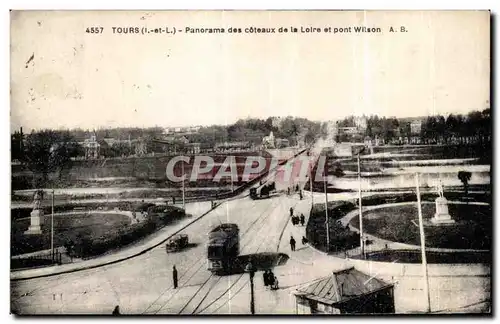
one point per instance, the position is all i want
(48, 151)
(16, 145)
(464, 176)
(120, 149)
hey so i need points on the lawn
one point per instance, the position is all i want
(415, 256)
(65, 227)
(472, 231)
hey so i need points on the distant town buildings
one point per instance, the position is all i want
(91, 147)
(182, 130)
(232, 146)
(268, 141)
(416, 126)
(271, 142)
(361, 123)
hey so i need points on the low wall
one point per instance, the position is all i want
(452, 287)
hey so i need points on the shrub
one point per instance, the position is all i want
(86, 246)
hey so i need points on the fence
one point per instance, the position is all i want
(38, 260)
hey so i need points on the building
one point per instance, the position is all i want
(353, 130)
(268, 141)
(281, 143)
(348, 291)
(361, 123)
(91, 147)
(182, 130)
(233, 146)
(416, 126)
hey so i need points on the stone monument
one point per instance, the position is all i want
(36, 215)
(442, 216)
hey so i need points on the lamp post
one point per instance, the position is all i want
(327, 220)
(311, 183)
(251, 271)
(183, 187)
(362, 242)
(52, 227)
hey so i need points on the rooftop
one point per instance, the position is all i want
(341, 286)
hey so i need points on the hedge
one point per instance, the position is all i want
(86, 246)
(341, 238)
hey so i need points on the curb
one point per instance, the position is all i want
(114, 261)
(82, 268)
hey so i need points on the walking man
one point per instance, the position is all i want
(275, 282)
(292, 243)
(270, 279)
(266, 280)
(302, 219)
(291, 211)
(174, 275)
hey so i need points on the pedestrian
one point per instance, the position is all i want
(302, 219)
(271, 279)
(291, 211)
(304, 240)
(266, 279)
(288, 191)
(292, 243)
(300, 195)
(174, 275)
(173, 200)
(276, 283)
(297, 188)
(116, 311)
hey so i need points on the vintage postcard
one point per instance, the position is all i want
(250, 162)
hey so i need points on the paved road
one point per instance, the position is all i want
(143, 285)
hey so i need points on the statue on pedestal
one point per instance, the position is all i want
(442, 216)
(36, 214)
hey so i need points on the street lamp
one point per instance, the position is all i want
(251, 271)
(362, 242)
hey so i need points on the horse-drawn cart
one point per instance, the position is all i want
(177, 243)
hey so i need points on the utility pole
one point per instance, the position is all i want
(422, 242)
(183, 187)
(52, 227)
(327, 221)
(362, 242)
(311, 184)
(251, 271)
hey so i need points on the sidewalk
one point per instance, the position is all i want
(197, 210)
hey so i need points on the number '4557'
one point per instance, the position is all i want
(94, 30)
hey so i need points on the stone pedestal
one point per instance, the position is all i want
(36, 222)
(442, 216)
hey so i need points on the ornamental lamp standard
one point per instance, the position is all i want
(251, 271)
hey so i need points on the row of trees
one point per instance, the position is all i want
(50, 151)
(454, 125)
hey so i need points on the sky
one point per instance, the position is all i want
(440, 65)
